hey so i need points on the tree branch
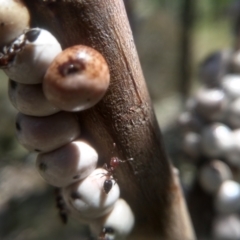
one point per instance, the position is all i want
(125, 115)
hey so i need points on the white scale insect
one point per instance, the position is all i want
(36, 47)
(25, 59)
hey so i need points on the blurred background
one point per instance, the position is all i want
(173, 37)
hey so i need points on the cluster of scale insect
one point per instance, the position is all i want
(52, 145)
(210, 127)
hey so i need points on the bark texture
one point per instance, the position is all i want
(125, 115)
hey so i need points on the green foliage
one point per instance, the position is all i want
(212, 9)
(203, 8)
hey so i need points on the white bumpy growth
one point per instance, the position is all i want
(37, 67)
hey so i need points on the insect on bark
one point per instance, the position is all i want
(111, 169)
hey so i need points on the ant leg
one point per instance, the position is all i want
(105, 166)
(114, 179)
(103, 174)
(123, 161)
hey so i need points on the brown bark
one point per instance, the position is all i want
(125, 115)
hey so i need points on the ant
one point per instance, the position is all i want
(10, 51)
(114, 163)
(107, 233)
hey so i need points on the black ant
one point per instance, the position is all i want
(114, 163)
(61, 206)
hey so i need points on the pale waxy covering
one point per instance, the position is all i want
(191, 144)
(68, 164)
(233, 155)
(227, 199)
(211, 104)
(119, 222)
(39, 48)
(87, 200)
(226, 227)
(233, 116)
(29, 99)
(216, 140)
(14, 20)
(44, 134)
(213, 174)
(231, 86)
